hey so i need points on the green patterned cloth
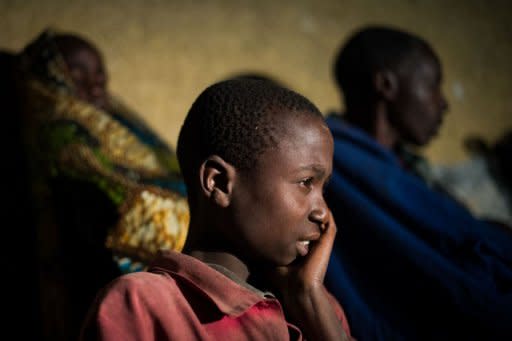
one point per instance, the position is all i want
(108, 193)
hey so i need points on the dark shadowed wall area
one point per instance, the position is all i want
(162, 53)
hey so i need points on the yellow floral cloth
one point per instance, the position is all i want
(114, 151)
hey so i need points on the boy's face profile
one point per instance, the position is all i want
(279, 204)
(419, 107)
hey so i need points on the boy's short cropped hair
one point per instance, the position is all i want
(232, 119)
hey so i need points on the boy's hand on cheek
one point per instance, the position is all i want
(302, 292)
(307, 273)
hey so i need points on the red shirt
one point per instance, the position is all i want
(182, 298)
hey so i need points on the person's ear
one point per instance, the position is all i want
(217, 176)
(386, 84)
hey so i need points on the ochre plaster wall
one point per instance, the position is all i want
(161, 53)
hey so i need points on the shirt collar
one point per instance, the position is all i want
(232, 297)
(231, 275)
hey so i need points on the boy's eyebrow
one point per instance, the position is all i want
(318, 169)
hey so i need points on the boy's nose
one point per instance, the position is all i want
(320, 212)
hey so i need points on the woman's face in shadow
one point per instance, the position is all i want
(88, 75)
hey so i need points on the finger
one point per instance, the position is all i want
(318, 259)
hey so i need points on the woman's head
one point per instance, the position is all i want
(86, 68)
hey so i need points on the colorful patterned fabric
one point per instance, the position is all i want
(108, 193)
(114, 151)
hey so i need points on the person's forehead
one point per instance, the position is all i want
(82, 51)
(300, 120)
(310, 149)
(301, 131)
(302, 144)
(86, 52)
(285, 117)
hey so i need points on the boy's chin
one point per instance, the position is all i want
(296, 261)
(279, 262)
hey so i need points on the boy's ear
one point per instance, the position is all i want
(217, 176)
(386, 84)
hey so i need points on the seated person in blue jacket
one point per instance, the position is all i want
(413, 264)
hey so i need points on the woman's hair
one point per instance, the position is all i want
(68, 44)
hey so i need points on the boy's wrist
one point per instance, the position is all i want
(311, 310)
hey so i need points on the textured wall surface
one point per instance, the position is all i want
(161, 53)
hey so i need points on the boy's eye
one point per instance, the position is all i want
(307, 182)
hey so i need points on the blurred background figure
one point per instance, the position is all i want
(410, 262)
(484, 181)
(107, 190)
(391, 86)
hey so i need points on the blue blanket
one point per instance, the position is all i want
(410, 263)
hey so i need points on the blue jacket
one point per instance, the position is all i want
(410, 263)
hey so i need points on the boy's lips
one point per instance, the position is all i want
(303, 247)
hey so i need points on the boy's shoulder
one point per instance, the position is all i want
(177, 279)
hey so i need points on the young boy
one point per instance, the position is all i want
(255, 159)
